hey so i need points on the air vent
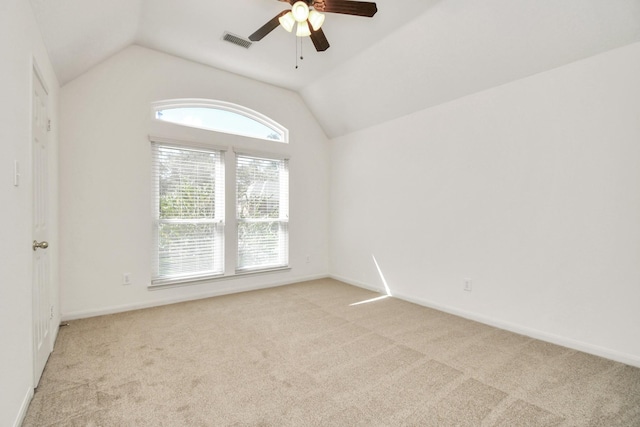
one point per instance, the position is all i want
(231, 38)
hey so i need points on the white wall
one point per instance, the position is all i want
(531, 189)
(20, 45)
(105, 179)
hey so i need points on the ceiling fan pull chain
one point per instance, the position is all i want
(301, 56)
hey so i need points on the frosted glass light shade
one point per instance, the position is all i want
(287, 21)
(300, 11)
(303, 29)
(316, 19)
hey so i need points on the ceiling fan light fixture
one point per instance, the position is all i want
(287, 21)
(316, 19)
(303, 29)
(308, 16)
(300, 11)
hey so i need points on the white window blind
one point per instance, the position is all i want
(188, 212)
(262, 210)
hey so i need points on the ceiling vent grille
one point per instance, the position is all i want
(231, 38)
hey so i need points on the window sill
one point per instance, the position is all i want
(165, 284)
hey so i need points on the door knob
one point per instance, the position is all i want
(41, 245)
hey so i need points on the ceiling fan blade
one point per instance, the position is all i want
(267, 28)
(319, 40)
(347, 7)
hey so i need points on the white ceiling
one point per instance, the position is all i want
(460, 47)
(411, 55)
(82, 33)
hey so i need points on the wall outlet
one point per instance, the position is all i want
(467, 285)
(308, 259)
(126, 278)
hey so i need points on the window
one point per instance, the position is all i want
(262, 210)
(189, 213)
(222, 210)
(221, 117)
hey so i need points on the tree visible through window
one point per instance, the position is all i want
(262, 209)
(189, 212)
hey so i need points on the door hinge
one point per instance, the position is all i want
(49, 125)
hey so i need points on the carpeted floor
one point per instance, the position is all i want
(301, 355)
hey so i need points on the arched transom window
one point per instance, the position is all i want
(220, 116)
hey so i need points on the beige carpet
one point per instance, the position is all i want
(301, 355)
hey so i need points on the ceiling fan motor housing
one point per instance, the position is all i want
(306, 14)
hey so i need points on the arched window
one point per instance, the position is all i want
(220, 116)
(205, 195)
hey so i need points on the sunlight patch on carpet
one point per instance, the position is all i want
(370, 300)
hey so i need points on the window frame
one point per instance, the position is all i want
(222, 106)
(169, 133)
(219, 219)
(283, 221)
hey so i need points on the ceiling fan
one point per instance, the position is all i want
(307, 14)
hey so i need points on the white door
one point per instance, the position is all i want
(42, 310)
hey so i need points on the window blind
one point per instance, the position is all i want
(189, 213)
(262, 212)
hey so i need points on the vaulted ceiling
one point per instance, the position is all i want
(413, 54)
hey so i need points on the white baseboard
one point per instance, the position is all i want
(607, 353)
(356, 283)
(74, 315)
(23, 408)
(628, 359)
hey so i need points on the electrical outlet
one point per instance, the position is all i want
(308, 259)
(467, 285)
(126, 278)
